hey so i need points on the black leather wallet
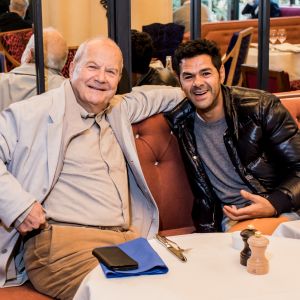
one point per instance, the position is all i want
(114, 258)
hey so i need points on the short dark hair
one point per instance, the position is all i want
(141, 51)
(194, 48)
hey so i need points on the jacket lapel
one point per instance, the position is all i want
(55, 131)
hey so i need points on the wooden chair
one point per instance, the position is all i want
(236, 55)
(12, 44)
(278, 81)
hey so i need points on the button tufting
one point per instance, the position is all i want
(194, 157)
(156, 163)
(137, 136)
(171, 132)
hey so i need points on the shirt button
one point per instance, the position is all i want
(194, 157)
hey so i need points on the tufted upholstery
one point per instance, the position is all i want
(13, 44)
(164, 171)
(71, 54)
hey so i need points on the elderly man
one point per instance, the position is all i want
(14, 18)
(20, 83)
(69, 157)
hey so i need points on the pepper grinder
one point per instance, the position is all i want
(258, 263)
(246, 252)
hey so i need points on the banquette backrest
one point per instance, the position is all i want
(165, 174)
(222, 31)
(291, 100)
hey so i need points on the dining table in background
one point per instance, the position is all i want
(283, 60)
(212, 272)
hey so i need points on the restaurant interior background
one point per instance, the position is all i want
(78, 20)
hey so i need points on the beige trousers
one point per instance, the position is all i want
(58, 258)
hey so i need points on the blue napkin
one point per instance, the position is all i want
(141, 251)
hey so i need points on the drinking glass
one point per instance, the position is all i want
(281, 35)
(273, 38)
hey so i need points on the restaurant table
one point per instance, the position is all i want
(212, 272)
(287, 61)
(289, 229)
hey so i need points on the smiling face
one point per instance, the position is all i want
(201, 82)
(95, 75)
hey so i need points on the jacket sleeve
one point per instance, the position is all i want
(146, 101)
(284, 138)
(14, 200)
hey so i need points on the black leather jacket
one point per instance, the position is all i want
(158, 76)
(263, 143)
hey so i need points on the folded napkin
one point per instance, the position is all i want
(287, 47)
(141, 251)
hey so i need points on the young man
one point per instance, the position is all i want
(241, 146)
(69, 168)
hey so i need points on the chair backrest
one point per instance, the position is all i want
(236, 55)
(165, 174)
(71, 54)
(166, 38)
(13, 44)
(278, 81)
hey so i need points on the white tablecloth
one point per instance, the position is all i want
(213, 272)
(279, 60)
(288, 229)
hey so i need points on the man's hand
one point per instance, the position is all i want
(35, 219)
(259, 208)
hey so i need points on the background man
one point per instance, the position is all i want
(20, 83)
(14, 18)
(241, 146)
(142, 73)
(69, 156)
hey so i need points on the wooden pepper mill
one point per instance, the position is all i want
(246, 252)
(258, 263)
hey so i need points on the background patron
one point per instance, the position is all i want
(20, 83)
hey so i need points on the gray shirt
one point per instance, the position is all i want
(210, 145)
